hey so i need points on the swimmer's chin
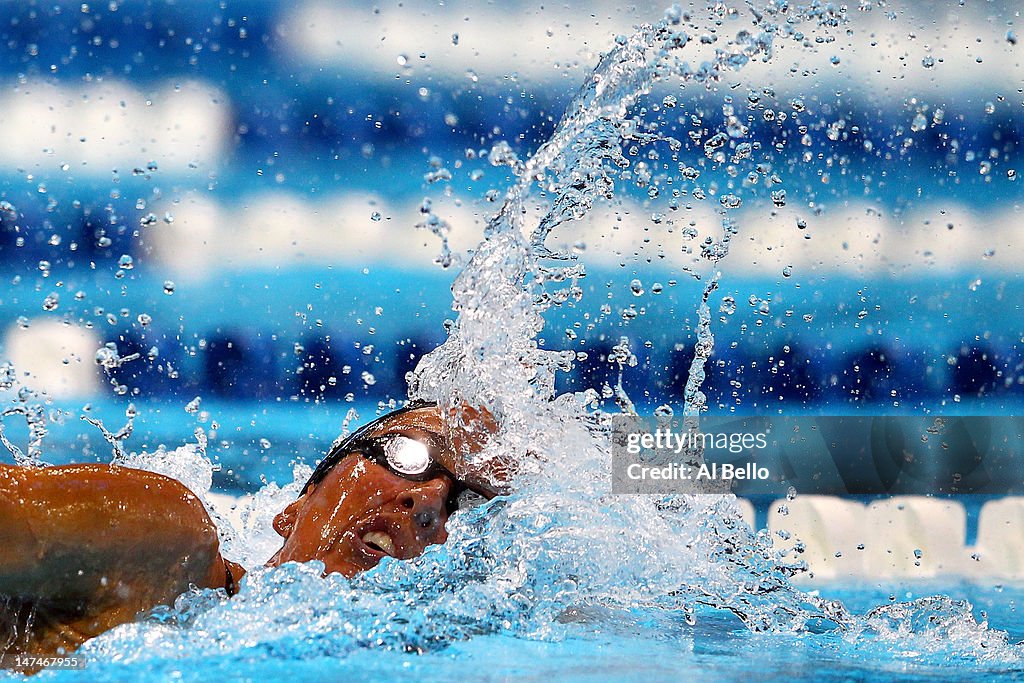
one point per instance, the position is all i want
(358, 560)
(346, 568)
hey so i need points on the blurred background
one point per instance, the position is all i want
(238, 201)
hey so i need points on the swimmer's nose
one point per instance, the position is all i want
(426, 520)
(425, 503)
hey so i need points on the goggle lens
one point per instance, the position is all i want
(407, 457)
(414, 459)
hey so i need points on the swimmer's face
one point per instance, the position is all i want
(361, 511)
(359, 514)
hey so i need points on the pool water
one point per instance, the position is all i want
(636, 645)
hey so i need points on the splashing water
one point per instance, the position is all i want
(26, 404)
(593, 547)
(562, 550)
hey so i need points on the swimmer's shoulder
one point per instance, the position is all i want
(60, 491)
(76, 524)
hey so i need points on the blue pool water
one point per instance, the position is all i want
(629, 645)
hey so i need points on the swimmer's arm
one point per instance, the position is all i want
(88, 536)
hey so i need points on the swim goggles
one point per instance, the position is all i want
(413, 454)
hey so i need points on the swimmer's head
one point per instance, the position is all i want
(386, 490)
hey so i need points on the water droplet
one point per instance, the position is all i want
(502, 154)
(714, 143)
(928, 62)
(368, 378)
(51, 302)
(106, 356)
(787, 271)
(168, 287)
(731, 201)
(919, 123)
(636, 287)
(375, 216)
(126, 262)
(264, 443)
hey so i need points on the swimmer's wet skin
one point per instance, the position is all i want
(89, 547)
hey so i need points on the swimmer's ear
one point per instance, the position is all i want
(284, 522)
(469, 429)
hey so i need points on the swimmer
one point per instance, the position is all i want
(88, 547)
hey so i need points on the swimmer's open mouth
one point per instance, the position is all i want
(380, 542)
